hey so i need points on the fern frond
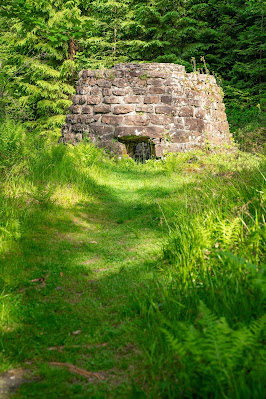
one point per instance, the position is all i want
(229, 231)
(177, 347)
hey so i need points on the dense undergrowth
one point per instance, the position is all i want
(198, 311)
(248, 126)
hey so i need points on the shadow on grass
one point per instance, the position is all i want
(71, 281)
(79, 279)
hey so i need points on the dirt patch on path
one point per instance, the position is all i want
(11, 380)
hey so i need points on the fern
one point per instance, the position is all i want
(229, 232)
(176, 347)
(215, 353)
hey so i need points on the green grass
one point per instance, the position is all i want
(151, 277)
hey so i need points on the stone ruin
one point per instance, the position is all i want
(147, 110)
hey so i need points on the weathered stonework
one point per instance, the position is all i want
(158, 105)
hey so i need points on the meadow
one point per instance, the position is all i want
(128, 280)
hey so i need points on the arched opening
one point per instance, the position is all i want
(139, 148)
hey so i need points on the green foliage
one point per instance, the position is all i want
(12, 146)
(174, 270)
(213, 352)
(248, 127)
(38, 70)
(210, 299)
(45, 44)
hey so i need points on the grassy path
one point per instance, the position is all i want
(86, 266)
(91, 309)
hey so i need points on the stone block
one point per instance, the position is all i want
(72, 118)
(96, 117)
(225, 128)
(89, 82)
(139, 90)
(144, 108)
(155, 82)
(86, 109)
(178, 92)
(107, 92)
(103, 83)
(96, 91)
(173, 81)
(161, 120)
(92, 100)
(68, 119)
(76, 109)
(136, 120)
(112, 119)
(194, 124)
(158, 148)
(133, 99)
(119, 82)
(165, 109)
(80, 128)
(67, 138)
(66, 128)
(82, 100)
(124, 109)
(209, 128)
(119, 73)
(83, 90)
(87, 73)
(144, 131)
(117, 91)
(194, 102)
(84, 74)
(219, 116)
(180, 101)
(157, 90)
(191, 94)
(186, 111)
(113, 100)
(102, 108)
(179, 123)
(76, 99)
(83, 119)
(151, 99)
(200, 113)
(118, 148)
(139, 83)
(101, 130)
(180, 136)
(136, 73)
(159, 74)
(167, 100)
(156, 141)
(182, 147)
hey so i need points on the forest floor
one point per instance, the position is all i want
(77, 312)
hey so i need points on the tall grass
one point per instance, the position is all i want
(208, 313)
(203, 314)
(32, 171)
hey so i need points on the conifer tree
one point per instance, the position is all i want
(40, 74)
(107, 42)
(233, 41)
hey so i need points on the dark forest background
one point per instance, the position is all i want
(45, 43)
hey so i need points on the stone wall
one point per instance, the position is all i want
(158, 105)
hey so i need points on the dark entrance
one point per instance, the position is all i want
(139, 148)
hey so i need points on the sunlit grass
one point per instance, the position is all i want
(158, 266)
